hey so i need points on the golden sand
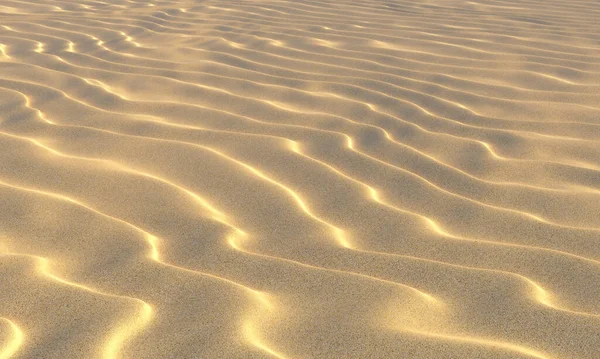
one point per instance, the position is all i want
(299, 179)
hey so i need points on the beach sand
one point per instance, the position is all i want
(299, 179)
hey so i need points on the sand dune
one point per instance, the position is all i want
(299, 179)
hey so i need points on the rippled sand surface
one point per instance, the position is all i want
(300, 179)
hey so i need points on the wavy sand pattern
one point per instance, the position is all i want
(299, 179)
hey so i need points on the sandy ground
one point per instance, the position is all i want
(300, 179)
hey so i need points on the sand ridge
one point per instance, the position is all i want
(299, 179)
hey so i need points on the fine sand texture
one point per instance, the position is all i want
(296, 179)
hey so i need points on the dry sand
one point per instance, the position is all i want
(300, 179)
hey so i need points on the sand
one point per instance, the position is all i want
(299, 179)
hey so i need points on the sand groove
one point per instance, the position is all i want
(299, 179)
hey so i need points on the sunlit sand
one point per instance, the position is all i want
(300, 179)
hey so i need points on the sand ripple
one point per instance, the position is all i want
(299, 179)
